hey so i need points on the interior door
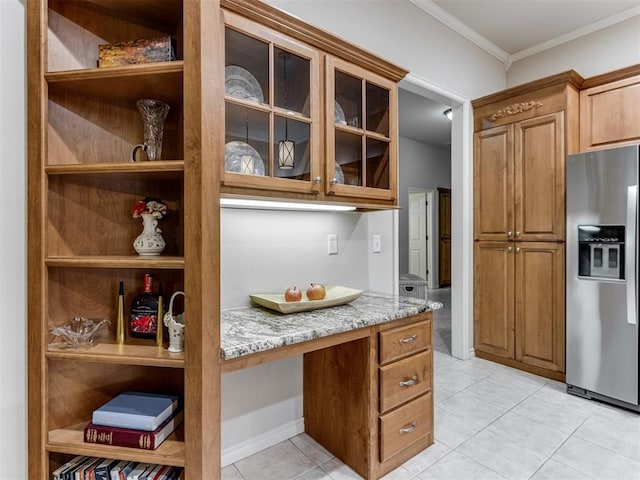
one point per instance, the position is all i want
(444, 236)
(418, 264)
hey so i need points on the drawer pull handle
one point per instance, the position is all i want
(409, 429)
(411, 339)
(408, 383)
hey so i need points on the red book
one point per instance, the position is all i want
(128, 437)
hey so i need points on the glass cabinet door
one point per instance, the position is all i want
(272, 114)
(361, 132)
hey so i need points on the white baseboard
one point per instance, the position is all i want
(260, 442)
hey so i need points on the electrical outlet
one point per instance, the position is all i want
(377, 244)
(332, 241)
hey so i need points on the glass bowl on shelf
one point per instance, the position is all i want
(77, 334)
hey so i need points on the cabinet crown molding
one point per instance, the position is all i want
(316, 37)
(570, 77)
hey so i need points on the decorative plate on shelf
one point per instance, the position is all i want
(240, 83)
(336, 295)
(339, 174)
(240, 157)
(339, 114)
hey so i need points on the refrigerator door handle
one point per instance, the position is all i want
(630, 253)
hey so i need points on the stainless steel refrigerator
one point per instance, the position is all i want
(602, 271)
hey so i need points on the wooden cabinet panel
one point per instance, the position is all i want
(406, 425)
(610, 114)
(493, 298)
(539, 178)
(400, 342)
(405, 379)
(493, 183)
(540, 338)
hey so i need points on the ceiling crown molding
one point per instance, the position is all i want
(470, 34)
(461, 28)
(580, 32)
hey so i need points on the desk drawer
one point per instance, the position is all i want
(405, 379)
(406, 425)
(403, 341)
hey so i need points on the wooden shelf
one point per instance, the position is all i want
(167, 12)
(161, 167)
(71, 440)
(116, 261)
(144, 355)
(161, 80)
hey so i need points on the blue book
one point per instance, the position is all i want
(136, 410)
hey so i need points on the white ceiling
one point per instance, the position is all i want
(509, 30)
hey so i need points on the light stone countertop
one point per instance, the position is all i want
(255, 329)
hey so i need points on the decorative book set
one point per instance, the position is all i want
(92, 468)
(135, 420)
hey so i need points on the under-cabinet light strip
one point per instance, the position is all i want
(273, 205)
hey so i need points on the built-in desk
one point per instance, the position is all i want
(368, 370)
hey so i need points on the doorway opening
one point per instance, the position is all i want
(461, 244)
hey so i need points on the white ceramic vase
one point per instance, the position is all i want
(150, 241)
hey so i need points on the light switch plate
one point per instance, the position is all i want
(377, 244)
(332, 241)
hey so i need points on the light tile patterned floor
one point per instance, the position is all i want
(491, 422)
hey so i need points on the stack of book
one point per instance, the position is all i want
(92, 468)
(136, 420)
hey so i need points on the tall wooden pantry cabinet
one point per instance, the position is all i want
(334, 101)
(522, 136)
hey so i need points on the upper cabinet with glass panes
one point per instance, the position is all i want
(272, 110)
(303, 122)
(361, 133)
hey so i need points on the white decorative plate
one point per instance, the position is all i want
(336, 295)
(339, 174)
(339, 114)
(240, 157)
(240, 83)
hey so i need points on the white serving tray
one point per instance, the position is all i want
(336, 295)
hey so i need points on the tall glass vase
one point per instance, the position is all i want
(153, 114)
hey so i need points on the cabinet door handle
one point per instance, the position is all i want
(409, 429)
(517, 234)
(509, 249)
(334, 181)
(317, 180)
(408, 383)
(411, 339)
(509, 234)
(517, 249)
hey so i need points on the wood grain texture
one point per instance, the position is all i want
(409, 424)
(405, 379)
(539, 176)
(75, 29)
(127, 354)
(494, 302)
(337, 386)
(91, 215)
(525, 367)
(38, 465)
(203, 155)
(494, 183)
(403, 341)
(540, 305)
(610, 114)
